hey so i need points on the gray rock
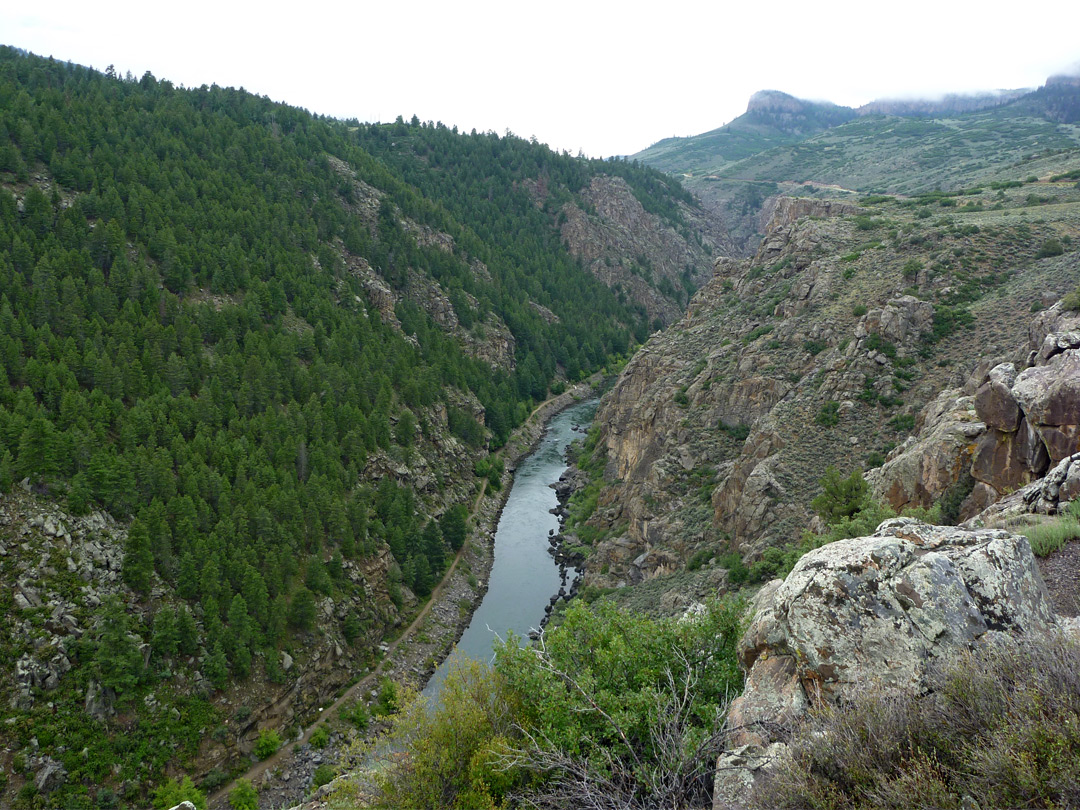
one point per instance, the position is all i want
(51, 776)
(286, 661)
(879, 610)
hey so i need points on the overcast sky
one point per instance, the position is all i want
(605, 78)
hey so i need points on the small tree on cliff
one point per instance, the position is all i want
(841, 497)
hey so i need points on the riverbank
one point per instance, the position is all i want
(414, 656)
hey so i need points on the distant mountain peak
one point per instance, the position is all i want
(774, 101)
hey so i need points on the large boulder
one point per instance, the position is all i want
(994, 401)
(1049, 395)
(923, 469)
(879, 609)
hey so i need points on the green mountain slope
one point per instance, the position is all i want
(277, 352)
(786, 145)
(772, 119)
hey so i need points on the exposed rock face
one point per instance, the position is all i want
(625, 246)
(1047, 496)
(1049, 394)
(922, 469)
(899, 321)
(877, 609)
(1006, 436)
(786, 210)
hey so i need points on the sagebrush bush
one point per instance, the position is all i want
(1000, 726)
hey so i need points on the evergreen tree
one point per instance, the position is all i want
(454, 527)
(117, 661)
(216, 668)
(138, 565)
(165, 640)
(187, 634)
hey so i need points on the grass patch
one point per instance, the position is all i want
(1051, 535)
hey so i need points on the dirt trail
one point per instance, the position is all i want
(255, 772)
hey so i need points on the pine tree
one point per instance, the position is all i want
(453, 525)
(187, 634)
(216, 668)
(138, 565)
(166, 636)
(117, 661)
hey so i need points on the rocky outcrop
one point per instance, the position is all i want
(922, 469)
(879, 609)
(902, 320)
(786, 210)
(1047, 496)
(1008, 434)
(1049, 395)
(627, 247)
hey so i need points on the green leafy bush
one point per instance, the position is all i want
(324, 775)
(1051, 247)
(602, 696)
(829, 414)
(841, 497)
(357, 714)
(269, 741)
(319, 737)
(179, 790)
(739, 432)
(244, 796)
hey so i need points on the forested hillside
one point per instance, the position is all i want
(271, 346)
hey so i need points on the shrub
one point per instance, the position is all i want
(1071, 300)
(319, 737)
(841, 497)
(323, 775)
(700, 557)
(388, 701)
(858, 310)
(997, 729)
(815, 347)
(269, 741)
(829, 415)
(175, 791)
(1051, 247)
(356, 713)
(902, 423)
(738, 432)
(738, 573)
(244, 796)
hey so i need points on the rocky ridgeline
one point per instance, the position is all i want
(732, 387)
(878, 610)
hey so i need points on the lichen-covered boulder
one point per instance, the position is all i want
(878, 609)
(883, 607)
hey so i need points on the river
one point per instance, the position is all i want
(524, 575)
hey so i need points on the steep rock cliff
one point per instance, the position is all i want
(834, 344)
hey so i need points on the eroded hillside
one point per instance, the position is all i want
(823, 349)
